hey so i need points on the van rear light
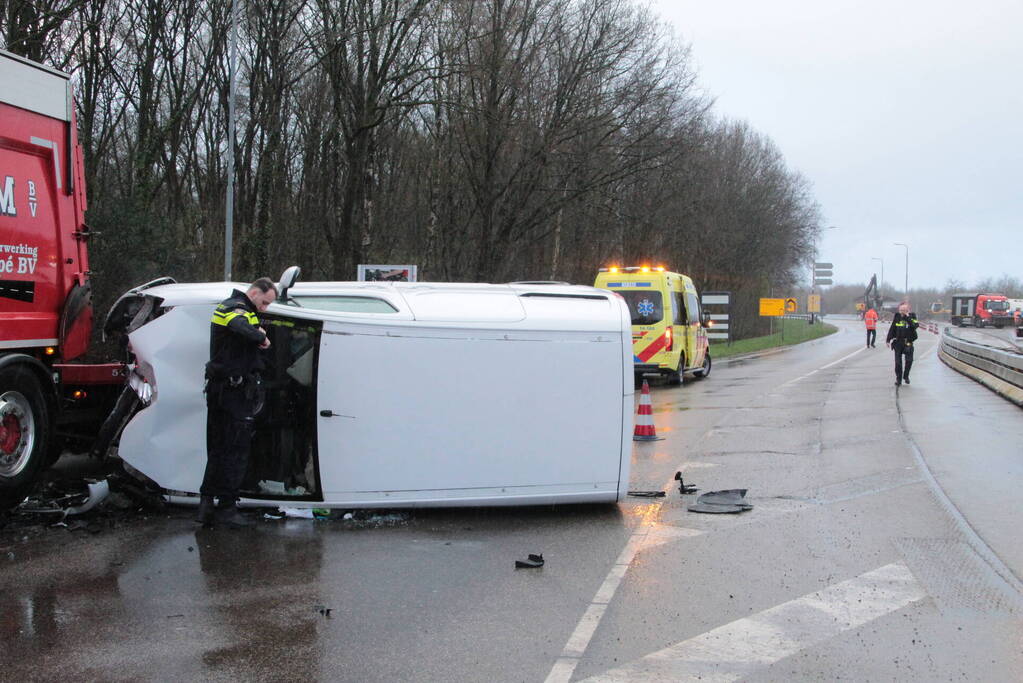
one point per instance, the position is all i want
(668, 340)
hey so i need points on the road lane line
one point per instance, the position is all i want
(740, 648)
(647, 535)
(824, 367)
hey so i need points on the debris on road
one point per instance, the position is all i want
(647, 494)
(323, 610)
(684, 488)
(532, 562)
(98, 492)
(730, 501)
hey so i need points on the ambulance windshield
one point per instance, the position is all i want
(647, 308)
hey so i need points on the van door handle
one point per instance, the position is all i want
(331, 413)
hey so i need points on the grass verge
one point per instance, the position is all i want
(792, 332)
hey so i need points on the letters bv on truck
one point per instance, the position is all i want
(981, 310)
(45, 295)
(397, 394)
(668, 326)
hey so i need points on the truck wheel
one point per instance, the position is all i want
(24, 433)
(705, 370)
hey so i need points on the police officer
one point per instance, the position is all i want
(901, 336)
(233, 397)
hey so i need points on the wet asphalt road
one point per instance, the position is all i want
(882, 546)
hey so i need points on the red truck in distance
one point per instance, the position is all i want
(46, 313)
(981, 310)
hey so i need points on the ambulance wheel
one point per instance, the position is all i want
(705, 370)
(24, 433)
(677, 377)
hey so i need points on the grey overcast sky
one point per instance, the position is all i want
(907, 117)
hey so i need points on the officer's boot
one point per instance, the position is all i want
(233, 518)
(205, 516)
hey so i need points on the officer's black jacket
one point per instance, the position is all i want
(234, 339)
(903, 329)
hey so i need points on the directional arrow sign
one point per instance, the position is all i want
(822, 281)
(823, 273)
(823, 265)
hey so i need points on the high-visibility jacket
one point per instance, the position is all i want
(870, 318)
(235, 338)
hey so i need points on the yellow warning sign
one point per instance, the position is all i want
(772, 307)
(813, 303)
(791, 306)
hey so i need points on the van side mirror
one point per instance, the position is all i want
(288, 279)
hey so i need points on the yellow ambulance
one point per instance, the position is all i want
(668, 326)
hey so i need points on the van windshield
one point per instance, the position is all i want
(647, 308)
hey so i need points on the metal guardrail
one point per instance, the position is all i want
(1003, 364)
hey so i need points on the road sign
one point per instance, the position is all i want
(822, 273)
(861, 306)
(791, 305)
(772, 307)
(718, 321)
(813, 303)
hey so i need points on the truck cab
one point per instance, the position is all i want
(668, 326)
(981, 310)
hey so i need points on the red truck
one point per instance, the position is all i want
(981, 310)
(46, 314)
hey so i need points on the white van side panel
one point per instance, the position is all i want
(469, 413)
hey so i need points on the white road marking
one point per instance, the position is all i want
(824, 367)
(740, 648)
(647, 535)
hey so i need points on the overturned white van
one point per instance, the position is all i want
(398, 394)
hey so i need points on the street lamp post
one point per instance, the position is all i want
(229, 201)
(881, 284)
(900, 244)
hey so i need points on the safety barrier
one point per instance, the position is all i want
(1003, 364)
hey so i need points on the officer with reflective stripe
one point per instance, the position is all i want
(233, 398)
(901, 336)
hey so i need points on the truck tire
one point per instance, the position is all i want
(24, 433)
(705, 370)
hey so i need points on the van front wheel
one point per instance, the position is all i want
(705, 369)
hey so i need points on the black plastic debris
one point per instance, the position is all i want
(730, 501)
(647, 494)
(684, 488)
(532, 562)
(323, 610)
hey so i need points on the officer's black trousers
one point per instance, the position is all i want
(871, 337)
(230, 424)
(901, 350)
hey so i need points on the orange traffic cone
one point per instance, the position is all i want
(644, 430)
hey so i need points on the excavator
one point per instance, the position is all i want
(871, 298)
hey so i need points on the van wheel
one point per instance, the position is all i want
(705, 370)
(24, 433)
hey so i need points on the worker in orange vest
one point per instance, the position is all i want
(870, 319)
